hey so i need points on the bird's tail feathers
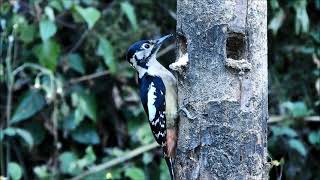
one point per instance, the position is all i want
(169, 161)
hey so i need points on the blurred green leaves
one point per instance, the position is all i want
(37, 131)
(144, 134)
(314, 138)
(284, 131)
(86, 134)
(50, 13)
(58, 73)
(296, 109)
(90, 15)
(86, 105)
(298, 146)
(76, 63)
(23, 134)
(31, 103)
(302, 18)
(71, 164)
(26, 32)
(67, 159)
(15, 171)
(302, 21)
(277, 21)
(134, 173)
(105, 50)
(128, 10)
(42, 172)
(47, 29)
(48, 53)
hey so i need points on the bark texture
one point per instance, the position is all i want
(223, 90)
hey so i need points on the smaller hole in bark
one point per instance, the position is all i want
(236, 46)
(182, 45)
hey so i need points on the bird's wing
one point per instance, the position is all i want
(153, 100)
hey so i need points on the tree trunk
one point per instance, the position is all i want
(223, 91)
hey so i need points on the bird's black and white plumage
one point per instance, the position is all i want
(152, 93)
(158, 93)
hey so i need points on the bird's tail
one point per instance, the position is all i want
(169, 161)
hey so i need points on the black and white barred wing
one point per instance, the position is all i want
(154, 105)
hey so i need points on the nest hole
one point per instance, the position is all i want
(182, 45)
(236, 46)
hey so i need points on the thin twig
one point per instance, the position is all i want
(10, 82)
(275, 119)
(117, 161)
(2, 125)
(31, 65)
(66, 24)
(88, 77)
(79, 42)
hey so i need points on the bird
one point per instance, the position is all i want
(158, 94)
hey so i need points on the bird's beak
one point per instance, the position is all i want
(159, 42)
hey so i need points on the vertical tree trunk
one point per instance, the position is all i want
(223, 90)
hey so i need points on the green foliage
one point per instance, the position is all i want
(294, 50)
(31, 103)
(85, 104)
(296, 109)
(41, 172)
(67, 159)
(37, 131)
(90, 15)
(105, 50)
(75, 61)
(298, 146)
(276, 22)
(47, 29)
(128, 9)
(23, 134)
(134, 173)
(283, 131)
(314, 138)
(47, 53)
(15, 171)
(71, 164)
(86, 134)
(302, 19)
(68, 58)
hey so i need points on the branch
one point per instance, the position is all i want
(275, 119)
(10, 81)
(88, 77)
(117, 161)
(79, 42)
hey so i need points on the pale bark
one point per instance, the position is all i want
(223, 90)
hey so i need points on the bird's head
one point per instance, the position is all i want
(140, 53)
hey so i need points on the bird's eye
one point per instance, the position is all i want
(146, 46)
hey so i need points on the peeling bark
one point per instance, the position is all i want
(223, 89)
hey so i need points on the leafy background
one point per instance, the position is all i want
(69, 102)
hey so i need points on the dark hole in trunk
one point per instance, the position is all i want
(236, 46)
(182, 45)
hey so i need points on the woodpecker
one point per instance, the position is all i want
(158, 93)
